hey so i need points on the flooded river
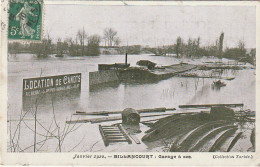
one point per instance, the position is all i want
(86, 137)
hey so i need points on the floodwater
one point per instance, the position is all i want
(54, 110)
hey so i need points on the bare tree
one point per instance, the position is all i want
(41, 133)
(71, 46)
(82, 36)
(110, 36)
(241, 45)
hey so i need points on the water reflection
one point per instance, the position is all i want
(140, 82)
(215, 88)
(60, 97)
(103, 86)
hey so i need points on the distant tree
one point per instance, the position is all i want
(152, 50)
(82, 36)
(253, 52)
(198, 41)
(197, 47)
(110, 36)
(252, 55)
(61, 47)
(241, 45)
(171, 49)
(71, 46)
(189, 48)
(93, 45)
(178, 49)
(234, 53)
(221, 39)
(42, 49)
(117, 41)
(15, 47)
(134, 49)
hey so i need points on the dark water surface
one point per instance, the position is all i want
(166, 93)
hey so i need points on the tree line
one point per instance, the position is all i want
(193, 48)
(89, 45)
(81, 45)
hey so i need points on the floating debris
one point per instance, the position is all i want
(218, 83)
(229, 78)
(150, 65)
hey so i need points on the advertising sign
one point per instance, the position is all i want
(41, 85)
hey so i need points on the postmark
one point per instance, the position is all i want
(25, 20)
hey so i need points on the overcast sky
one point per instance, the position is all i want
(154, 25)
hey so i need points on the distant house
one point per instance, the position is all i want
(108, 50)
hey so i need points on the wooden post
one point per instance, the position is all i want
(103, 135)
(126, 59)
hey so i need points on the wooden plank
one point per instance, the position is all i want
(211, 105)
(103, 136)
(77, 121)
(108, 132)
(107, 119)
(114, 134)
(115, 141)
(106, 113)
(137, 141)
(115, 137)
(111, 128)
(103, 113)
(125, 133)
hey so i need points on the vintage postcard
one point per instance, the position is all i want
(129, 83)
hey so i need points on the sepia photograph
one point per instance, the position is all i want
(129, 78)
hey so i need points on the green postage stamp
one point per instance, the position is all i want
(25, 20)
